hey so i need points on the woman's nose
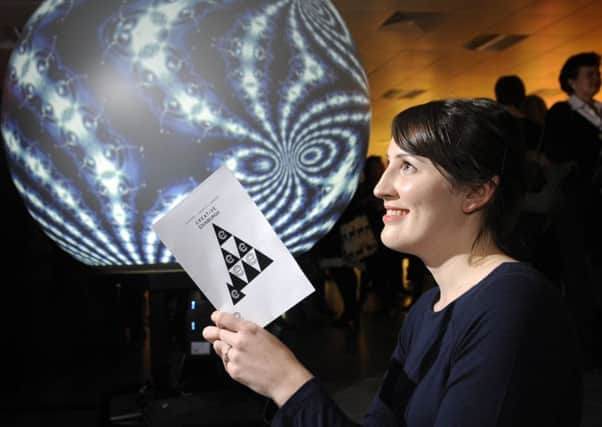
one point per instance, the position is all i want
(380, 189)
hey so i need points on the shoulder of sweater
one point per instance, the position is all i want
(422, 304)
(514, 287)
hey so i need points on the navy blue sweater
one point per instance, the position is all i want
(502, 354)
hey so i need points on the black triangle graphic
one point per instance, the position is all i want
(243, 247)
(230, 259)
(250, 271)
(221, 234)
(263, 260)
(237, 282)
(235, 294)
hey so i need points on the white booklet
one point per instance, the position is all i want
(229, 249)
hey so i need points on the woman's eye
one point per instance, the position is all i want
(407, 168)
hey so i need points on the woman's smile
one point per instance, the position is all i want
(394, 214)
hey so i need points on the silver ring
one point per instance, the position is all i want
(226, 359)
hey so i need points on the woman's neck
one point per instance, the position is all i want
(458, 273)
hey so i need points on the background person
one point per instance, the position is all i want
(510, 92)
(535, 109)
(531, 241)
(572, 142)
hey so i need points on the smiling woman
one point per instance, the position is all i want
(491, 344)
(442, 155)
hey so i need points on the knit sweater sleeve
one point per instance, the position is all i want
(311, 406)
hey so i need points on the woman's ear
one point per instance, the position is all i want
(478, 196)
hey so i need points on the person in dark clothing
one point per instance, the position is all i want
(510, 92)
(535, 109)
(491, 344)
(477, 362)
(531, 241)
(572, 142)
(573, 134)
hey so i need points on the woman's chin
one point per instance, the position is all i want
(393, 242)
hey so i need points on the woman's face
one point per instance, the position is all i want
(423, 210)
(587, 83)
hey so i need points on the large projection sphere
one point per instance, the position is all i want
(114, 110)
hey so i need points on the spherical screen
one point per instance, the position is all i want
(114, 110)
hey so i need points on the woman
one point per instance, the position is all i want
(572, 142)
(573, 132)
(491, 344)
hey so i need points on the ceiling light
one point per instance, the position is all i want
(403, 94)
(494, 42)
(425, 21)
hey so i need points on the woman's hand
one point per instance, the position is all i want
(254, 357)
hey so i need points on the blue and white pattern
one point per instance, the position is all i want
(113, 111)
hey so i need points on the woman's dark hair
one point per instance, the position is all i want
(471, 141)
(570, 69)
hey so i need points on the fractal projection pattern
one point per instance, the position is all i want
(114, 110)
